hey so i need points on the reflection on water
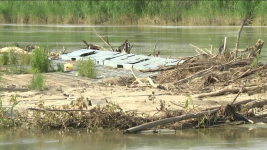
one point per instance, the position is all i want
(212, 138)
(172, 40)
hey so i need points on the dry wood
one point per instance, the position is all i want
(235, 104)
(258, 103)
(209, 70)
(169, 120)
(243, 118)
(138, 80)
(159, 69)
(103, 41)
(229, 90)
(154, 53)
(224, 47)
(109, 44)
(238, 37)
(198, 74)
(251, 71)
(261, 115)
(200, 50)
(151, 82)
(240, 91)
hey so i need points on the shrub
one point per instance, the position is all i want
(4, 59)
(86, 68)
(25, 59)
(38, 82)
(40, 62)
(60, 67)
(13, 58)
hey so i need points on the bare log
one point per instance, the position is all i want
(238, 37)
(228, 90)
(224, 47)
(258, 103)
(169, 120)
(235, 104)
(261, 115)
(159, 69)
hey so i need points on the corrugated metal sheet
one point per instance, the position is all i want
(120, 60)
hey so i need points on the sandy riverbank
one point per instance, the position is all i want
(63, 88)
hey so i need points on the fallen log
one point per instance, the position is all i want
(159, 69)
(258, 103)
(261, 115)
(235, 104)
(228, 90)
(169, 120)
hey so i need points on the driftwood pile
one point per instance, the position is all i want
(216, 74)
(112, 116)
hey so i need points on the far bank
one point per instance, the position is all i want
(171, 12)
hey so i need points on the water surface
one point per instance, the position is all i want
(173, 41)
(243, 137)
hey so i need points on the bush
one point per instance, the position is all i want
(25, 59)
(40, 62)
(38, 82)
(4, 59)
(13, 58)
(86, 68)
(60, 67)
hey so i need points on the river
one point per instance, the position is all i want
(237, 137)
(173, 41)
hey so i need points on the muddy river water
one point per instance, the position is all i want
(238, 137)
(172, 42)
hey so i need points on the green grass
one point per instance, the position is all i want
(134, 12)
(40, 62)
(86, 68)
(38, 82)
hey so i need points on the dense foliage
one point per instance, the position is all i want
(201, 12)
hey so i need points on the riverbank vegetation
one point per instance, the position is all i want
(168, 12)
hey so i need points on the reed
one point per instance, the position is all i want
(134, 12)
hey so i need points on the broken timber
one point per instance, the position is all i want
(120, 60)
